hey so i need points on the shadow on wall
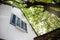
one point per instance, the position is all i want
(2, 39)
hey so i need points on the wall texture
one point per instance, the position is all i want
(10, 32)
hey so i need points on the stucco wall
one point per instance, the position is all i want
(10, 32)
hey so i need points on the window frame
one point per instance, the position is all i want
(16, 24)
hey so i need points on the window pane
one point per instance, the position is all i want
(18, 22)
(25, 27)
(22, 24)
(13, 20)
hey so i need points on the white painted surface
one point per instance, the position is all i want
(10, 32)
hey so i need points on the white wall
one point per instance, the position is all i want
(10, 32)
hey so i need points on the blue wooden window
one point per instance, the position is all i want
(16, 21)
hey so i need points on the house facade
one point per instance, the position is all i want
(13, 24)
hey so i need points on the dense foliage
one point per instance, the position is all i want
(42, 21)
